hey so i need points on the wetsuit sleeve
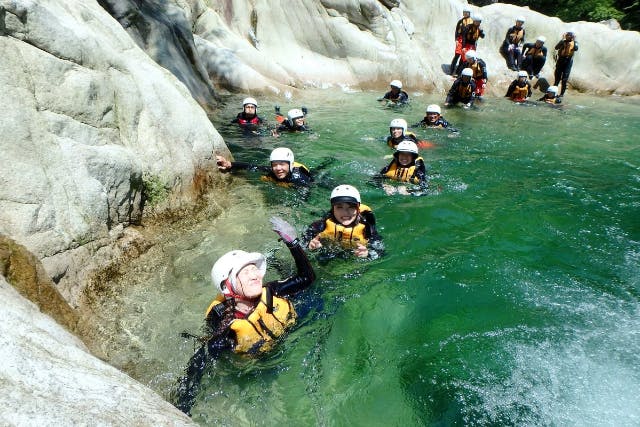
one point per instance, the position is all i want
(575, 46)
(529, 91)
(512, 86)
(483, 67)
(420, 173)
(374, 244)
(452, 91)
(313, 230)
(304, 277)
(560, 44)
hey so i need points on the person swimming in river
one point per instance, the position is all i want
(433, 118)
(282, 170)
(247, 316)
(395, 94)
(406, 167)
(249, 115)
(398, 133)
(350, 225)
(520, 89)
(296, 121)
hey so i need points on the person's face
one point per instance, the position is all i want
(345, 213)
(280, 168)
(519, 24)
(250, 109)
(405, 159)
(522, 79)
(396, 132)
(395, 89)
(568, 37)
(539, 43)
(432, 117)
(466, 79)
(249, 281)
(466, 14)
(299, 121)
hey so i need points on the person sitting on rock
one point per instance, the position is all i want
(407, 167)
(511, 47)
(283, 170)
(395, 95)
(551, 96)
(534, 57)
(479, 68)
(249, 115)
(459, 33)
(350, 224)
(398, 133)
(520, 89)
(462, 90)
(433, 118)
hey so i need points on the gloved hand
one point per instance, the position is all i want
(283, 228)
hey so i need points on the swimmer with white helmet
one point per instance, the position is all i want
(247, 316)
(395, 94)
(462, 90)
(407, 167)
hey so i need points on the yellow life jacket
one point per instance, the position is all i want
(269, 178)
(465, 91)
(534, 51)
(477, 70)
(348, 237)
(567, 49)
(257, 331)
(402, 174)
(473, 34)
(520, 92)
(463, 23)
(516, 36)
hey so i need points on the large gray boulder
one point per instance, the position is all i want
(49, 378)
(88, 122)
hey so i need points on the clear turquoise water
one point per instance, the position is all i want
(508, 295)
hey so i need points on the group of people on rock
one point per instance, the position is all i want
(520, 56)
(248, 316)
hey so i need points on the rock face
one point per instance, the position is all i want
(89, 122)
(49, 378)
(260, 45)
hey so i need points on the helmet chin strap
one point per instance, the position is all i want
(232, 293)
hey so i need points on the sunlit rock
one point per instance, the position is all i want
(49, 378)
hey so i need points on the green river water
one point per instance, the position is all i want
(509, 294)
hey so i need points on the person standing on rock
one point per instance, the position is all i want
(472, 33)
(511, 47)
(535, 56)
(459, 34)
(247, 316)
(565, 49)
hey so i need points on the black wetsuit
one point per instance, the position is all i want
(462, 92)
(298, 175)
(513, 39)
(534, 58)
(440, 123)
(220, 337)
(563, 65)
(401, 97)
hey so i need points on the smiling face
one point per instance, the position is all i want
(249, 281)
(280, 169)
(345, 213)
(405, 158)
(432, 117)
(299, 121)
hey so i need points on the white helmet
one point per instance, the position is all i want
(433, 108)
(282, 154)
(406, 146)
(251, 101)
(399, 123)
(520, 18)
(396, 83)
(522, 73)
(227, 267)
(471, 54)
(345, 193)
(541, 39)
(294, 113)
(553, 89)
(477, 17)
(467, 72)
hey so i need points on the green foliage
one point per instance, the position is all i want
(626, 12)
(154, 190)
